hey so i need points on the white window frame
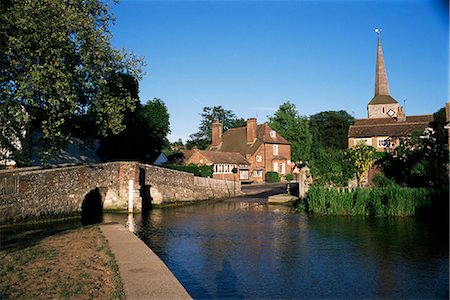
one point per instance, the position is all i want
(282, 168)
(381, 142)
(275, 167)
(275, 149)
(258, 158)
(367, 141)
(223, 168)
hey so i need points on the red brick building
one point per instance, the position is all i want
(254, 149)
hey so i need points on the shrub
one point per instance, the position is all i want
(289, 177)
(201, 171)
(380, 180)
(272, 177)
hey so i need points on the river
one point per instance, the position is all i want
(245, 249)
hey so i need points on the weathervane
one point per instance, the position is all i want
(378, 30)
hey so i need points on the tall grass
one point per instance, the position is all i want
(390, 201)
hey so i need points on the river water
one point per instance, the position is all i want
(238, 249)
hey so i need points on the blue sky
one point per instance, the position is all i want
(251, 56)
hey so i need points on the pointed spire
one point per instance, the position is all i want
(381, 83)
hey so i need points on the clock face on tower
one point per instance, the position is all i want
(391, 113)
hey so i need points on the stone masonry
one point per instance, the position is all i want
(42, 193)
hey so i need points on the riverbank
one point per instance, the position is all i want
(58, 264)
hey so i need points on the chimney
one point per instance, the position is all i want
(401, 116)
(251, 130)
(216, 133)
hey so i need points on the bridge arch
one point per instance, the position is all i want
(92, 206)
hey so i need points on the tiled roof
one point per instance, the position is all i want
(235, 140)
(389, 126)
(382, 99)
(382, 121)
(217, 157)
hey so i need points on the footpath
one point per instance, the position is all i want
(143, 274)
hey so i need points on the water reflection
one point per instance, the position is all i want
(249, 250)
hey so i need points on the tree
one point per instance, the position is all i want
(295, 129)
(438, 125)
(203, 137)
(361, 158)
(419, 161)
(60, 70)
(329, 129)
(145, 135)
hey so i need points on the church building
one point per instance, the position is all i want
(386, 123)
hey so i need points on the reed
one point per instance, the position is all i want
(389, 201)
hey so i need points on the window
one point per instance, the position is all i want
(275, 167)
(283, 168)
(382, 142)
(223, 168)
(275, 149)
(367, 141)
(273, 134)
(258, 158)
(257, 173)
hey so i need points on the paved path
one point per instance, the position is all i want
(143, 274)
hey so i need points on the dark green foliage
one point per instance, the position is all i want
(379, 180)
(418, 162)
(329, 129)
(203, 137)
(58, 68)
(202, 171)
(329, 167)
(272, 177)
(295, 129)
(144, 137)
(289, 177)
(438, 125)
(391, 201)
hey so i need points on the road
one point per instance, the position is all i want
(260, 192)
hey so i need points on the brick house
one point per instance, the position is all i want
(262, 149)
(223, 163)
(386, 123)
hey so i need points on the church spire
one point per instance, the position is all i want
(381, 83)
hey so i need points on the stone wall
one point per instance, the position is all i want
(168, 186)
(34, 194)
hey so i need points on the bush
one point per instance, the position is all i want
(201, 171)
(272, 177)
(380, 180)
(289, 177)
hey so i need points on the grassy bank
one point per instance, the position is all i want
(67, 264)
(390, 201)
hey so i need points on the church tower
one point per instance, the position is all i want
(382, 104)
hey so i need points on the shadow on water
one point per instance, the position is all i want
(226, 281)
(92, 208)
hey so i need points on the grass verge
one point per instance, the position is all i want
(68, 264)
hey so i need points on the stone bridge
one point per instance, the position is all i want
(31, 193)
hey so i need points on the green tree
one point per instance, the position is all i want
(361, 158)
(60, 69)
(294, 128)
(419, 161)
(203, 137)
(329, 167)
(145, 135)
(329, 129)
(439, 123)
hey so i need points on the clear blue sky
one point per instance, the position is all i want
(251, 56)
